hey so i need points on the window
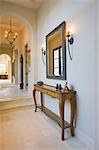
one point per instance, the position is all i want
(2, 69)
(58, 62)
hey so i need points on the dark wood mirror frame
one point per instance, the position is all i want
(62, 75)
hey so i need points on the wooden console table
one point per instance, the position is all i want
(62, 96)
(3, 76)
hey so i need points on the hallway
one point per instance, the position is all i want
(56, 42)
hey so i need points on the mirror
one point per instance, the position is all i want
(56, 53)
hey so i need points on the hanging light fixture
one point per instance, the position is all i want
(10, 36)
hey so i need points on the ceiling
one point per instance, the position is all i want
(15, 23)
(28, 3)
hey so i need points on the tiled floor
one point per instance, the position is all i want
(8, 91)
(26, 130)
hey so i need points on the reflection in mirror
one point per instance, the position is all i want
(56, 53)
(57, 62)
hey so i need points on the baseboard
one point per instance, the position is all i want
(85, 139)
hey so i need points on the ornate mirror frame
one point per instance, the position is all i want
(61, 50)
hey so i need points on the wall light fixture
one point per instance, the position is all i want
(43, 49)
(70, 41)
(43, 53)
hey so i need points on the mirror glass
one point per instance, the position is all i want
(56, 53)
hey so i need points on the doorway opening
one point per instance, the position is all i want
(23, 28)
(5, 67)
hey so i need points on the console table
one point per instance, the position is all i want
(3, 76)
(62, 96)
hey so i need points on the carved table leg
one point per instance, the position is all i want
(41, 101)
(73, 114)
(75, 111)
(61, 109)
(34, 91)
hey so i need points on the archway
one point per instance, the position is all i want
(27, 39)
(5, 67)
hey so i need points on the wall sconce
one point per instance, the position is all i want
(43, 49)
(70, 41)
(43, 53)
(27, 50)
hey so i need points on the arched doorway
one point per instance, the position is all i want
(24, 30)
(30, 21)
(5, 67)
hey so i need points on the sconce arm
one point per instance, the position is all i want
(70, 42)
(69, 52)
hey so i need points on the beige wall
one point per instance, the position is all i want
(81, 71)
(9, 70)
